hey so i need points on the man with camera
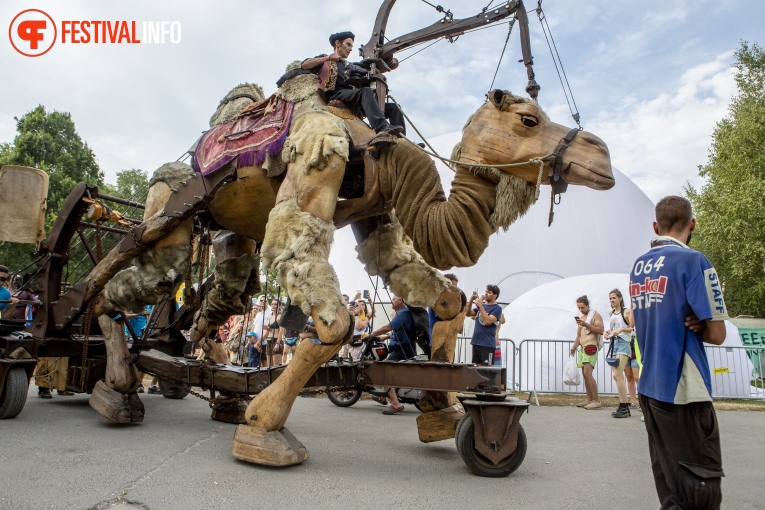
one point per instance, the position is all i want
(348, 82)
(486, 314)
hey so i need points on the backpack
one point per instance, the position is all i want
(421, 328)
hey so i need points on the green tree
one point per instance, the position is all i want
(131, 184)
(48, 141)
(729, 206)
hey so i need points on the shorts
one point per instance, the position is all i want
(633, 363)
(622, 347)
(483, 355)
(292, 342)
(582, 358)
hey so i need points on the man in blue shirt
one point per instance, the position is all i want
(401, 345)
(486, 315)
(6, 309)
(678, 305)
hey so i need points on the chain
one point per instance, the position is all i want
(305, 392)
(213, 402)
(322, 391)
(89, 312)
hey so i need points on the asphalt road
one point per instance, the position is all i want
(59, 454)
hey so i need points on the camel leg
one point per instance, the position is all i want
(385, 250)
(297, 242)
(154, 275)
(115, 397)
(236, 278)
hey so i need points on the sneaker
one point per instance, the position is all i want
(593, 405)
(393, 410)
(154, 390)
(44, 393)
(583, 404)
(642, 418)
(634, 406)
(65, 393)
(139, 390)
(623, 411)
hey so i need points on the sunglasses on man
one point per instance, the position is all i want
(3, 278)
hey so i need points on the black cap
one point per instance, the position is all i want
(341, 36)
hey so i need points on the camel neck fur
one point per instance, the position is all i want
(453, 232)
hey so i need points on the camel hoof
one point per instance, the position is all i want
(229, 410)
(274, 448)
(438, 425)
(115, 406)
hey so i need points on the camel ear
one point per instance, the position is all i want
(496, 96)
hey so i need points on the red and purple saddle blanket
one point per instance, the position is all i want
(249, 139)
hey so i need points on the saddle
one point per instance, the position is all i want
(260, 131)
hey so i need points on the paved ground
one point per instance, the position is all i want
(59, 454)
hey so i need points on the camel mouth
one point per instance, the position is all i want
(589, 163)
(597, 177)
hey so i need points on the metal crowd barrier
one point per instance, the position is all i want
(735, 370)
(539, 365)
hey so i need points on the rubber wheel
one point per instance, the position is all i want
(344, 398)
(477, 463)
(173, 390)
(457, 431)
(14, 393)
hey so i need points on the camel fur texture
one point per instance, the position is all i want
(388, 252)
(298, 246)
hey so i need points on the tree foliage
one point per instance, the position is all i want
(50, 142)
(729, 206)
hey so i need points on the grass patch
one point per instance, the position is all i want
(564, 400)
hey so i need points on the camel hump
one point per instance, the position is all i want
(235, 101)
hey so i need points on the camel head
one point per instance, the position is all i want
(511, 129)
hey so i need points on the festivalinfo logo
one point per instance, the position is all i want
(34, 32)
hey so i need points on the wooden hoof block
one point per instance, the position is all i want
(275, 448)
(229, 411)
(438, 425)
(115, 406)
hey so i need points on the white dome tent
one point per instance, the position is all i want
(544, 317)
(592, 232)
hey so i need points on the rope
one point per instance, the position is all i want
(507, 39)
(556, 59)
(450, 163)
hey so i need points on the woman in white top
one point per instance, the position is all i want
(619, 332)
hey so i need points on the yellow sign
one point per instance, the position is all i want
(721, 370)
(179, 295)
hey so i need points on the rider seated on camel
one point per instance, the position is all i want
(335, 75)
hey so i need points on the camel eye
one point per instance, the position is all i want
(529, 121)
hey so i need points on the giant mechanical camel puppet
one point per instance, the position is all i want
(282, 213)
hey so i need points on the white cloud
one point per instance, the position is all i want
(659, 142)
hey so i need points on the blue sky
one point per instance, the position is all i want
(651, 78)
